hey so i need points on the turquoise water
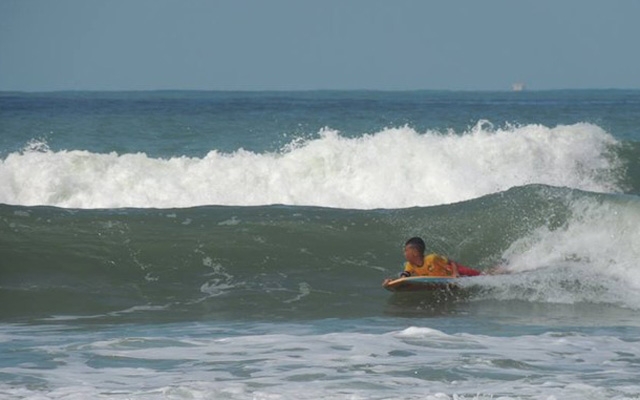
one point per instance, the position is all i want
(232, 245)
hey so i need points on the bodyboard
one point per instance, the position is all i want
(415, 283)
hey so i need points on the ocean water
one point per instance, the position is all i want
(231, 245)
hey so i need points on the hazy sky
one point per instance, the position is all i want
(329, 44)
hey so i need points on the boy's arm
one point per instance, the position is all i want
(454, 268)
(403, 274)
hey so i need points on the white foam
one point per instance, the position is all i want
(593, 257)
(394, 168)
(336, 365)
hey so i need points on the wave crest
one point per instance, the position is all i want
(393, 168)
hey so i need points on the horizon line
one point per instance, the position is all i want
(526, 90)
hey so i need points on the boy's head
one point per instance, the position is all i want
(414, 250)
(416, 243)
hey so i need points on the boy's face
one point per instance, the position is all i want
(412, 255)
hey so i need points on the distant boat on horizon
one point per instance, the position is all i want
(518, 87)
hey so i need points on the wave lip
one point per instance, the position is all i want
(393, 168)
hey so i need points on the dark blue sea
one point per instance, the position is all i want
(232, 245)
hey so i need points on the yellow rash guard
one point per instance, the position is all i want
(433, 265)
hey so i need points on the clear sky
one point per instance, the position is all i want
(325, 44)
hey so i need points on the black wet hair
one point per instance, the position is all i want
(417, 243)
